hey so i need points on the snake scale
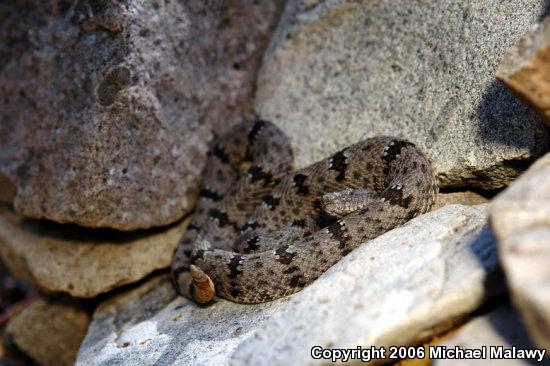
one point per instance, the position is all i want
(262, 231)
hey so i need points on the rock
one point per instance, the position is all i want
(107, 107)
(526, 66)
(501, 327)
(78, 261)
(49, 332)
(151, 325)
(420, 279)
(464, 198)
(339, 71)
(520, 217)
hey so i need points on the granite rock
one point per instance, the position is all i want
(502, 327)
(49, 332)
(337, 71)
(78, 261)
(520, 217)
(107, 107)
(424, 277)
(526, 66)
(152, 325)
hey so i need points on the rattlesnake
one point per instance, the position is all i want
(262, 231)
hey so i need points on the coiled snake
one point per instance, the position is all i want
(262, 231)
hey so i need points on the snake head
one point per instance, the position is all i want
(203, 287)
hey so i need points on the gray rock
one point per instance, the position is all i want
(149, 325)
(520, 217)
(337, 71)
(49, 332)
(107, 107)
(501, 327)
(78, 261)
(401, 288)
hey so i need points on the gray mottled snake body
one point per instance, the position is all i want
(262, 231)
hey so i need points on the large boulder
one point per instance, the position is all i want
(520, 217)
(107, 107)
(337, 71)
(401, 288)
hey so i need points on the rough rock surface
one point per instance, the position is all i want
(337, 71)
(526, 67)
(425, 277)
(82, 262)
(520, 217)
(151, 325)
(107, 107)
(501, 327)
(49, 332)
